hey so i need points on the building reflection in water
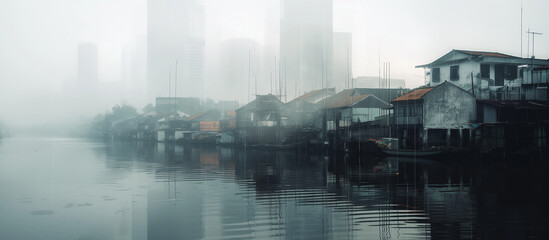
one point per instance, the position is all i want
(212, 192)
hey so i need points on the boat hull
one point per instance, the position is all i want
(410, 153)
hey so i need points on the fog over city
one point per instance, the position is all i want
(274, 119)
(65, 61)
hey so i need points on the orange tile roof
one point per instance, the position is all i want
(413, 95)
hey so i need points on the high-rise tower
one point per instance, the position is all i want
(306, 52)
(175, 32)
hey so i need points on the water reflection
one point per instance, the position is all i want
(134, 190)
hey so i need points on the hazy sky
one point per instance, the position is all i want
(38, 39)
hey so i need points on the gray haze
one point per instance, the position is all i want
(62, 60)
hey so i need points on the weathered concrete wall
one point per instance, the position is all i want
(447, 107)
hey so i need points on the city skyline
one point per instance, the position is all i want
(403, 33)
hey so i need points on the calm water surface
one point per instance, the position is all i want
(60, 188)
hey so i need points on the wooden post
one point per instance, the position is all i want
(425, 138)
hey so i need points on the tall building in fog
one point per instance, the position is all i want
(134, 70)
(175, 32)
(237, 60)
(306, 52)
(87, 64)
(342, 50)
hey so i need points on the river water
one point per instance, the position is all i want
(63, 188)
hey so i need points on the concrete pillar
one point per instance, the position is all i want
(448, 137)
(471, 137)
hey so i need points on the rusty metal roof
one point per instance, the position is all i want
(345, 100)
(193, 117)
(413, 95)
(311, 96)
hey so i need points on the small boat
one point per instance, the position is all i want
(411, 153)
(389, 146)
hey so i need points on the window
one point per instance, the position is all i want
(435, 75)
(400, 111)
(510, 72)
(412, 111)
(484, 71)
(454, 73)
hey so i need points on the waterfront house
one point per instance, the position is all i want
(512, 125)
(302, 117)
(345, 109)
(258, 122)
(304, 110)
(168, 125)
(200, 127)
(535, 83)
(227, 126)
(438, 116)
(487, 75)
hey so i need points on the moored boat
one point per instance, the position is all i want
(389, 146)
(411, 153)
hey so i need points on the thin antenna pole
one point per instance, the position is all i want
(379, 68)
(348, 80)
(249, 73)
(285, 86)
(175, 86)
(275, 77)
(175, 81)
(255, 74)
(389, 82)
(533, 39)
(528, 44)
(279, 84)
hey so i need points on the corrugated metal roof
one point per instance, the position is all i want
(468, 52)
(307, 95)
(345, 100)
(542, 67)
(313, 96)
(413, 95)
(487, 54)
